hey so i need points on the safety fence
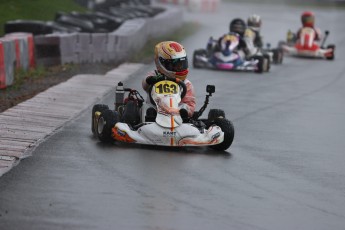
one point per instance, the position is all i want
(25, 51)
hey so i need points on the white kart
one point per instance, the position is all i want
(163, 128)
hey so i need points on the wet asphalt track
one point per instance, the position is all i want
(285, 169)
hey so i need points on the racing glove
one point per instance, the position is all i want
(154, 79)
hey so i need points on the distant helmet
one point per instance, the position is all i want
(254, 22)
(226, 41)
(171, 59)
(308, 19)
(237, 25)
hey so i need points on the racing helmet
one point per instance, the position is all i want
(308, 19)
(237, 25)
(254, 22)
(171, 59)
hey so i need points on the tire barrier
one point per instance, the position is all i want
(96, 4)
(2, 67)
(103, 21)
(203, 5)
(16, 52)
(195, 5)
(7, 62)
(117, 46)
(23, 50)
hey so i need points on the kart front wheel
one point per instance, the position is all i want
(229, 132)
(105, 123)
(215, 113)
(98, 108)
(196, 62)
(332, 56)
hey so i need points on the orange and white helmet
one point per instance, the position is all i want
(171, 59)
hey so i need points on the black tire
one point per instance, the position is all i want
(105, 123)
(200, 52)
(260, 65)
(35, 27)
(333, 48)
(229, 133)
(215, 113)
(267, 63)
(96, 108)
(278, 56)
(67, 19)
(281, 44)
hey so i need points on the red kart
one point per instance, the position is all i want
(305, 46)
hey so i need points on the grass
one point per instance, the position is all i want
(34, 10)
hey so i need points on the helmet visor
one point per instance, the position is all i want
(308, 19)
(174, 65)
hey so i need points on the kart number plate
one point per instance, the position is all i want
(167, 87)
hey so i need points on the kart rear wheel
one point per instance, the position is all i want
(267, 63)
(332, 56)
(215, 113)
(199, 52)
(97, 108)
(260, 67)
(229, 133)
(105, 123)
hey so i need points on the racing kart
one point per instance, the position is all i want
(130, 123)
(306, 46)
(213, 59)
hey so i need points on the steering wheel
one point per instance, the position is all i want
(176, 80)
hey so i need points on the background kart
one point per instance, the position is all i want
(212, 59)
(126, 123)
(306, 46)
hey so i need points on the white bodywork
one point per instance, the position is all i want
(183, 135)
(306, 46)
(320, 53)
(168, 130)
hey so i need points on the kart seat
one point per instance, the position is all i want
(151, 115)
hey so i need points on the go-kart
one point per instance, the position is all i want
(306, 46)
(129, 123)
(214, 59)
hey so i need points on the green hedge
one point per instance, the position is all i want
(34, 10)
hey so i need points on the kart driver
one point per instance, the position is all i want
(237, 26)
(171, 61)
(253, 30)
(308, 21)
